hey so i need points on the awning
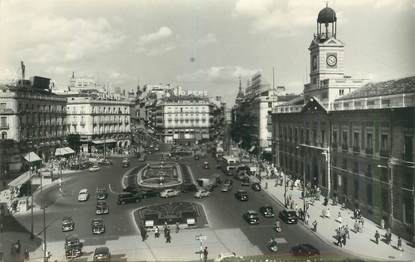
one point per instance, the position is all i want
(20, 180)
(103, 141)
(64, 151)
(32, 157)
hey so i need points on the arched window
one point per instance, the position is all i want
(3, 135)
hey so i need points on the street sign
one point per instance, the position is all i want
(200, 237)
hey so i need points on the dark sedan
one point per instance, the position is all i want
(289, 216)
(267, 211)
(256, 187)
(102, 254)
(251, 217)
(241, 195)
(304, 250)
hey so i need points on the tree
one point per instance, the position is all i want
(74, 141)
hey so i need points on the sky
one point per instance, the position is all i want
(200, 44)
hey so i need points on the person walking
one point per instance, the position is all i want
(168, 237)
(344, 239)
(26, 255)
(377, 236)
(315, 226)
(177, 227)
(157, 232)
(307, 218)
(346, 231)
(399, 246)
(205, 254)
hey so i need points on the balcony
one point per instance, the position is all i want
(356, 149)
(369, 151)
(345, 148)
(384, 153)
(4, 126)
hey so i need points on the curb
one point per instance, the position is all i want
(324, 239)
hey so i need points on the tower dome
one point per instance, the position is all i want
(326, 16)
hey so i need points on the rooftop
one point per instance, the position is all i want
(391, 87)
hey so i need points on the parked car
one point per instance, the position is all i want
(128, 197)
(202, 193)
(83, 195)
(73, 247)
(102, 254)
(149, 193)
(94, 168)
(226, 187)
(256, 186)
(245, 181)
(97, 225)
(289, 216)
(206, 165)
(188, 188)
(304, 250)
(67, 224)
(101, 193)
(102, 207)
(267, 211)
(241, 195)
(251, 217)
(125, 162)
(169, 193)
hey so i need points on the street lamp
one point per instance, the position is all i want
(31, 202)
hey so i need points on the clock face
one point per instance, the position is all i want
(331, 60)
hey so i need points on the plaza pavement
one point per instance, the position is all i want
(360, 244)
(183, 246)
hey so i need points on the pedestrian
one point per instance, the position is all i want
(143, 233)
(168, 237)
(339, 239)
(18, 246)
(346, 231)
(205, 254)
(344, 239)
(177, 227)
(26, 254)
(382, 223)
(315, 226)
(377, 235)
(399, 246)
(339, 218)
(328, 213)
(307, 218)
(156, 232)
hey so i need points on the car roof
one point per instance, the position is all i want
(102, 250)
(308, 246)
(97, 219)
(83, 190)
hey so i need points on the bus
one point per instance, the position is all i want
(228, 164)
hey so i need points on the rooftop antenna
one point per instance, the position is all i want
(23, 67)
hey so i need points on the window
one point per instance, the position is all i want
(323, 138)
(334, 139)
(307, 137)
(356, 188)
(301, 136)
(384, 148)
(369, 170)
(295, 135)
(345, 142)
(341, 92)
(314, 137)
(369, 194)
(356, 141)
(2, 106)
(408, 148)
(369, 143)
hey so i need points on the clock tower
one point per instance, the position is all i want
(326, 52)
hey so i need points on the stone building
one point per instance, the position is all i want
(354, 141)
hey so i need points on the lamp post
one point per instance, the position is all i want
(31, 202)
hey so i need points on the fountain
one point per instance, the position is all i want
(158, 175)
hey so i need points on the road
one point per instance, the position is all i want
(223, 210)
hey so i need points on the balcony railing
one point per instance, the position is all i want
(82, 123)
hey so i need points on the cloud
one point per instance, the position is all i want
(162, 33)
(210, 38)
(217, 74)
(281, 14)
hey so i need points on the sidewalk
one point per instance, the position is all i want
(360, 244)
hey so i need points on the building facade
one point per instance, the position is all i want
(32, 118)
(183, 119)
(357, 144)
(101, 123)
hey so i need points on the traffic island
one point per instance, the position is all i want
(188, 215)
